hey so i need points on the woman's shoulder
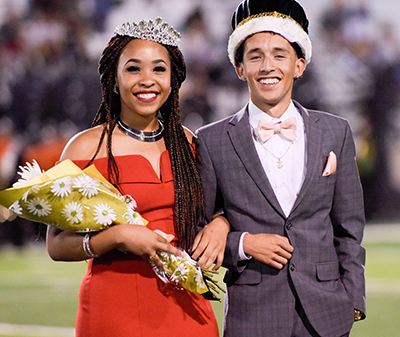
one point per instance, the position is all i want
(83, 145)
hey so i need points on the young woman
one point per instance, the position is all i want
(138, 142)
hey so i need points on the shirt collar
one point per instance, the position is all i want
(256, 114)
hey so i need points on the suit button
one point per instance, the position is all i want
(289, 225)
(292, 267)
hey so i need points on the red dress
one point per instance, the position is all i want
(120, 294)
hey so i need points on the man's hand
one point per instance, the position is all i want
(272, 249)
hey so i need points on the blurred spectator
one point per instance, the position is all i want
(195, 108)
(355, 65)
(12, 53)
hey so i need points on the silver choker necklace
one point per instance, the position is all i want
(144, 136)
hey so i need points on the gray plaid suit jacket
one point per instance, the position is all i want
(325, 227)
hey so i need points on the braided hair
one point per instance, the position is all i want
(189, 202)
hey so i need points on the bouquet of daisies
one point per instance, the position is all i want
(72, 199)
(69, 198)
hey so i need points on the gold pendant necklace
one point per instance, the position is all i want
(279, 163)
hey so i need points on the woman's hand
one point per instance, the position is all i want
(210, 243)
(143, 242)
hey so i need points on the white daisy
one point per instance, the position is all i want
(165, 255)
(104, 215)
(175, 258)
(25, 195)
(16, 208)
(198, 277)
(73, 212)
(133, 217)
(169, 256)
(33, 189)
(129, 201)
(39, 207)
(180, 273)
(28, 172)
(86, 185)
(61, 187)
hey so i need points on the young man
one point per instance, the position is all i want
(286, 179)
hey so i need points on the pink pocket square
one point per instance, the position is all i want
(330, 167)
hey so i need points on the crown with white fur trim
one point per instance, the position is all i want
(284, 17)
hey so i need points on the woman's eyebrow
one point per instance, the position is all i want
(139, 61)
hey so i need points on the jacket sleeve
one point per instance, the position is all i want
(214, 201)
(208, 176)
(348, 220)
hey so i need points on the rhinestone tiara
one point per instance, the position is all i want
(155, 30)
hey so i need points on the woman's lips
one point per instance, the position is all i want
(147, 97)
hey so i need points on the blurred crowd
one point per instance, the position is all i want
(354, 73)
(49, 85)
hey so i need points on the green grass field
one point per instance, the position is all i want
(38, 297)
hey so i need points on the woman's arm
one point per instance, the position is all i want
(139, 240)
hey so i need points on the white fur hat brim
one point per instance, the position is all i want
(284, 26)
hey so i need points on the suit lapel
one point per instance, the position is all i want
(313, 144)
(242, 141)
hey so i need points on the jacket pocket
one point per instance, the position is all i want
(250, 275)
(328, 271)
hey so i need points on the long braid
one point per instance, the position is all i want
(110, 107)
(189, 202)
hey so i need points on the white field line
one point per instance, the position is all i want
(35, 330)
(378, 286)
(380, 233)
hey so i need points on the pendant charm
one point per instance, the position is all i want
(279, 163)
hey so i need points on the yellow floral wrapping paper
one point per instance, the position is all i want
(72, 199)
(69, 198)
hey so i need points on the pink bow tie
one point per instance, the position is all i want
(287, 128)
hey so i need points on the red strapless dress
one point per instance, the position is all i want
(120, 295)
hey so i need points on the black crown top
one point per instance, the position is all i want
(290, 8)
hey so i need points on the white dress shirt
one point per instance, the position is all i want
(287, 180)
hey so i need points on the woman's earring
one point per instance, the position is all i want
(116, 89)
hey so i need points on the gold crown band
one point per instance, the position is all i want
(266, 14)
